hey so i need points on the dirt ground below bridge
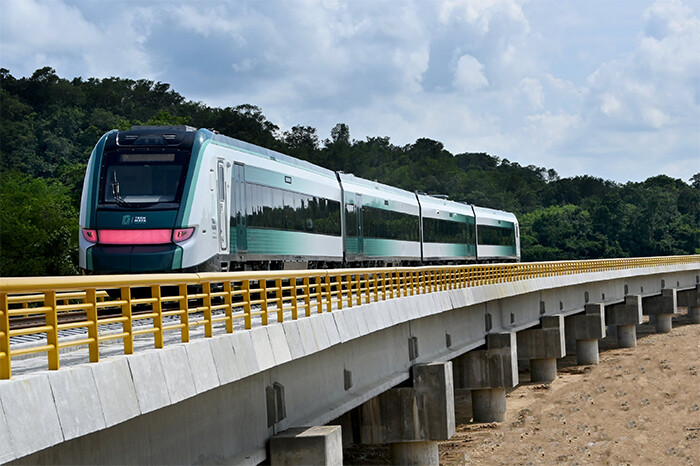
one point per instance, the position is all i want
(638, 406)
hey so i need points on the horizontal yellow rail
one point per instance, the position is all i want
(121, 307)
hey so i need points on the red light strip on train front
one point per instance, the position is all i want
(160, 236)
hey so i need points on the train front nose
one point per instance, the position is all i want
(136, 258)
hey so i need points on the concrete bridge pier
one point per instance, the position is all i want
(625, 317)
(543, 346)
(413, 419)
(663, 307)
(585, 330)
(316, 445)
(691, 300)
(694, 313)
(487, 373)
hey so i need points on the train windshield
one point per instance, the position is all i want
(131, 179)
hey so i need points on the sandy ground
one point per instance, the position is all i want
(638, 406)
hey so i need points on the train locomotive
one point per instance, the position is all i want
(178, 199)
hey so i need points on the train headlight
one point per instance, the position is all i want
(90, 235)
(182, 234)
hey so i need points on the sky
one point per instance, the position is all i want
(607, 88)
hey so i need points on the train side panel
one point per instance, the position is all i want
(275, 211)
(382, 223)
(448, 230)
(498, 235)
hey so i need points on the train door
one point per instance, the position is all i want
(222, 210)
(239, 203)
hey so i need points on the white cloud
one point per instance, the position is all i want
(469, 75)
(51, 33)
(502, 76)
(533, 91)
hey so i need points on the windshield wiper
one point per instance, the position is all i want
(118, 197)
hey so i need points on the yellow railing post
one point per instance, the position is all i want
(5, 363)
(229, 308)
(279, 301)
(319, 294)
(127, 323)
(383, 286)
(329, 299)
(307, 297)
(185, 313)
(339, 290)
(93, 329)
(293, 291)
(262, 284)
(52, 333)
(247, 310)
(208, 327)
(158, 319)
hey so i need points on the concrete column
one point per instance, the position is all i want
(694, 313)
(542, 346)
(413, 418)
(626, 336)
(543, 370)
(625, 317)
(585, 330)
(663, 323)
(415, 453)
(489, 405)
(587, 351)
(663, 307)
(691, 300)
(317, 445)
(487, 373)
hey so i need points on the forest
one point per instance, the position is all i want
(49, 125)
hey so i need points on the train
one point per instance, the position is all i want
(181, 199)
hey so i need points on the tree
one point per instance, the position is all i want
(302, 141)
(38, 227)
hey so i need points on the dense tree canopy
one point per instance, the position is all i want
(48, 126)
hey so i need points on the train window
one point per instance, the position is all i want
(221, 181)
(350, 220)
(437, 230)
(497, 235)
(389, 224)
(144, 178)
(286, 210)
(471, 231)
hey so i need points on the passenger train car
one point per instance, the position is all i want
(172, 198)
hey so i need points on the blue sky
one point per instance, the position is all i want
(605, 88)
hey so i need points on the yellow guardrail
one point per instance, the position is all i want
(182, 302)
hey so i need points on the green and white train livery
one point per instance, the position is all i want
(172, 198)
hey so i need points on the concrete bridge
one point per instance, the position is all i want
(287, 366)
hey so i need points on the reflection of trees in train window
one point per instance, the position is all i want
(388, 224)
(437, 230)
(280, 209)
(497, 235)
(350, 220)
